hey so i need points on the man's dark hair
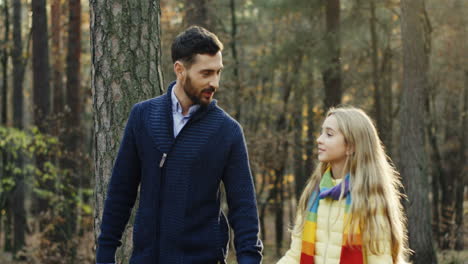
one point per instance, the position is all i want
(194, 40)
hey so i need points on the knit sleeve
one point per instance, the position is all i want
(121, 193)
(240, 192)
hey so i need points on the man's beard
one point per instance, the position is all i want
(193, 94)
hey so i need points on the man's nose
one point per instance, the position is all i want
(215, 82)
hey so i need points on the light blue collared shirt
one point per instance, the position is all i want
(180, 120)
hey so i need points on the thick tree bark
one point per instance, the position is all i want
(126, 55)
(413, 160)
(19, 211)
(332, 72)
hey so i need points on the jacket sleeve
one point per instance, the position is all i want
(121, 193)
(293, 255)
(385, 243)
(240, 193)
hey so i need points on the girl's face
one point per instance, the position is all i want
(331, 143)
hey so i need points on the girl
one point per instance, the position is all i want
(350, 210)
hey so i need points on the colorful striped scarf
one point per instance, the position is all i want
(350, 253)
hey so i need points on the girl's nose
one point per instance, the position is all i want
(319, 139)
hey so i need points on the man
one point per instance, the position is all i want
(178, 148)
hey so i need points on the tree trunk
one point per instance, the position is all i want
(8, 235)
(386, 72)
(279, 207)
(413, 160)
(462, 167)
(461, 179)
(263, 206)
(332, 72)
(57, 64)
(19, 211)
(4, 62)
(310, 142)
(437, 175)
(267, 83)
(297, 128)
(18, 66)
(282, 147)
(73, 137)
(197, 13)
(447, 205)
(382, 82)
(375, 69)
(126, 55)
(237, 85)
(41, 88)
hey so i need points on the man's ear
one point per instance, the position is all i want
(179, 69)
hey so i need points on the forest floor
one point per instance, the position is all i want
(85, 253)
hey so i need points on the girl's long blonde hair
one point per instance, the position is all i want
(375, 185)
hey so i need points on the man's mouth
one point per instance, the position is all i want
(208, 92)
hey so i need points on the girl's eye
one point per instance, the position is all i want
(328, 134)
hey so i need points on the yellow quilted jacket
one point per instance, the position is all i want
(329, 238)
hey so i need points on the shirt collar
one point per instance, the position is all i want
(177, 108)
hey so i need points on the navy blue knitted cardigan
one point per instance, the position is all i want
(179, 219)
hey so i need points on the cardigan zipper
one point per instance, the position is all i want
(163, 160)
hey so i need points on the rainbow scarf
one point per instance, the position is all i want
(350, 253)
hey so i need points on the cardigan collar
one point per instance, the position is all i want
(161, 123)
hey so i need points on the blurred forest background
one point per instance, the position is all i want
(71, 70)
